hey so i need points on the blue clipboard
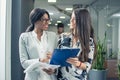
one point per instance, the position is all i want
(60, 56)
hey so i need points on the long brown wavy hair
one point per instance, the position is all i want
(84, 31)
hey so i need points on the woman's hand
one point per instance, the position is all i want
(49, 71)
(77, 63)
(47, 58)
(74, 61)
(49, 55)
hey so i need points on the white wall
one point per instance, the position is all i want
(115, 34)
(102, 24)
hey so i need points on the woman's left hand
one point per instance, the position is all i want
(49, 71)
(49, 55)
(74, 61)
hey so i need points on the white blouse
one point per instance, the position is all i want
(31, 49)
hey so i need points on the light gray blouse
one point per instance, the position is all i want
(31, 49)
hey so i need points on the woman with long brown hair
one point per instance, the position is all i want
(83, 38)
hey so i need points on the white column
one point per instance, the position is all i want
(2, 38)
(5, 39)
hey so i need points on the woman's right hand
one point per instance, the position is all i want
(49, 71)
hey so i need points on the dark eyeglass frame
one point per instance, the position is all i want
(46, 20)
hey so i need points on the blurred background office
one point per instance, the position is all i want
(14, 20)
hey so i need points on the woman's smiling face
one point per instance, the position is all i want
(43, 22)
(72, 21)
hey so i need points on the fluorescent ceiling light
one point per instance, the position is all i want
(70, 9)
(51, 0)
(59, 21)
(62, 17)
(116, 15)
(51, 13)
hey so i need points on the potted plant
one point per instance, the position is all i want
(98, 71)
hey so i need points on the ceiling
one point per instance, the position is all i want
(111, 6)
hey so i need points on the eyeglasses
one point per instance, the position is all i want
(45, 20)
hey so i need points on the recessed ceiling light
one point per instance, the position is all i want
(70, 9)
(59, 21)
(62, 17)
(51, 0)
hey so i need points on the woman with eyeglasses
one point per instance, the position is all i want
(36, 46)
(83, 38)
